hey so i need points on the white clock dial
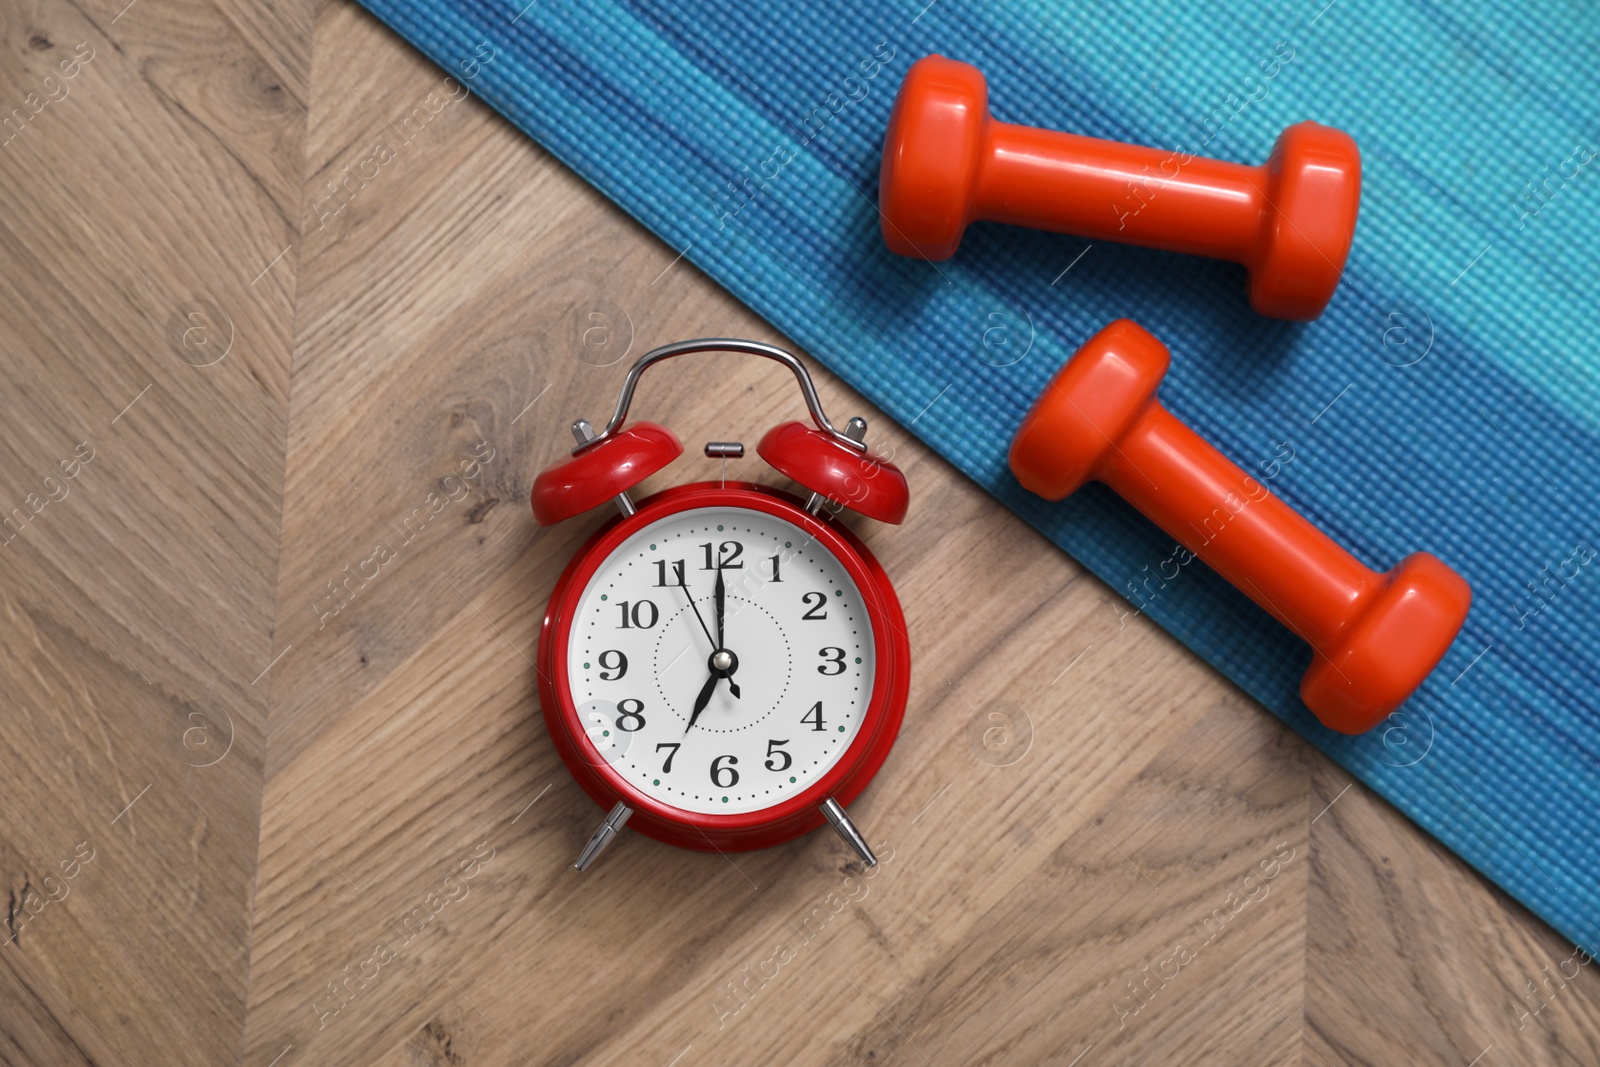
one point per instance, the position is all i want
(800, 652)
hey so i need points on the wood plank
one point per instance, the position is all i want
(1409, 948)
(155, 185)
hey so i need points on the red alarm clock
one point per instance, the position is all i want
(723, 665)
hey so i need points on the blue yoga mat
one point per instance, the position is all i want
(1446, 401)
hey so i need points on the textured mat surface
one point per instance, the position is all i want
(1446, 401)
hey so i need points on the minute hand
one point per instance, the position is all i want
(719, 598)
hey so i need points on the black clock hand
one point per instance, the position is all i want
(701, 701)
(719, 600)
(715, 644)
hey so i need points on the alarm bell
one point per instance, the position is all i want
(833, 464)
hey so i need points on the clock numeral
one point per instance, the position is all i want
(624, 713)
(831, 657)
(787, 759)
(774, 560)
(661, 574)
(727, 552)
(615, 664)
(666, 768)
(814, 603)
(641, 614)
(814, 717)
(719, 769)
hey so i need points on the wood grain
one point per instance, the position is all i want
(274, 694)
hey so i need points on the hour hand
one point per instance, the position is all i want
(701, 701)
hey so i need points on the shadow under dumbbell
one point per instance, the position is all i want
(1069, 288)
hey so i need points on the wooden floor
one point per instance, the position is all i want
(240, 346)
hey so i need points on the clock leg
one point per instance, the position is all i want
(847, 830)
(609, 829)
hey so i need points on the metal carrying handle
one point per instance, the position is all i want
(717, 344)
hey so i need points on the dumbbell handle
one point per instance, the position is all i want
(1231, 521)
(1119, 192)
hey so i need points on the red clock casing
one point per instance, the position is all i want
(796, 815)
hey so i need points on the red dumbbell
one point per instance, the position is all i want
(947, 163)
(1376, 636)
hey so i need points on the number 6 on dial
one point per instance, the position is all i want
(740, 706)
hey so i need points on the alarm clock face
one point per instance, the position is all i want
(731, 725)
